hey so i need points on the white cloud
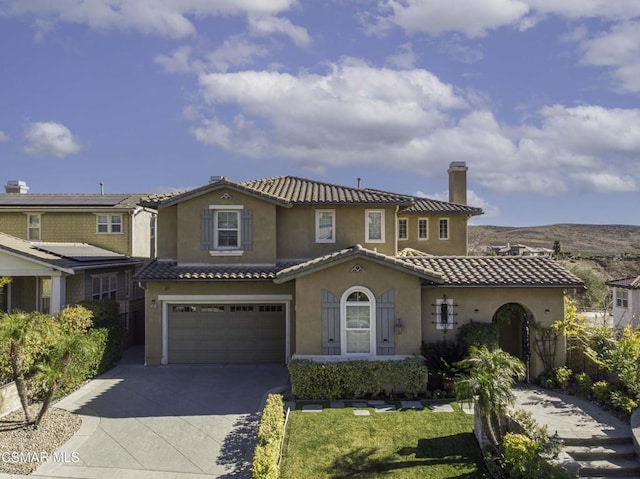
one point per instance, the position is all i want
(619, 48)
(3, 137)
(269, 24)
(404, 58)
(50, 139)
(473, 199)
(170, 18)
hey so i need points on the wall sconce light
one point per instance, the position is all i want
(547, 311)
(399, 326)
(153, 304)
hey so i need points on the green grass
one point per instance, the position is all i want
(398, 445)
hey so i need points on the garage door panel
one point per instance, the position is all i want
(227, 334)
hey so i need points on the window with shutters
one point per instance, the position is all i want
(358, 321)
(226, 230)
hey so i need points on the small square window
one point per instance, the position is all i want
(109, 224)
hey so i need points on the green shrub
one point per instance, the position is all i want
(270, 436)
(584, 383)
(562, 376)
(106, 316)
(440, 358)
(356, 379)
(622, 402)
(521, 456)
(600, 391)
(478, 334)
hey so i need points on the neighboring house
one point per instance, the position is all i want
(626, 301)
(63, 248)
(520, 250)
(283, 267)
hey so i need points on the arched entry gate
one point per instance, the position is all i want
(514, 326)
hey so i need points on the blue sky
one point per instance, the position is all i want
(541, 98)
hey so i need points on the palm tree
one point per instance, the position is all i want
(489, 377)
(25, 334)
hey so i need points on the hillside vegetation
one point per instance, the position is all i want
(609, 251)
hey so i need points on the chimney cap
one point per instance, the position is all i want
(16, 186)
(458, 165)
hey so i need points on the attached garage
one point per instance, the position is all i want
(223, 333)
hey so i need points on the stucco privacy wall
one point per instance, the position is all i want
(487, 301)
(263, 249)
(337, 279)
(296, 231)
(153, 331)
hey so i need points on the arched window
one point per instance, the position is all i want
(358, 321)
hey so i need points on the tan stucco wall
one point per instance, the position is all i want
(70, 227)
(454, 246)
(188, 229)
(167, 234)
(297, 231)
(153, 323)
(487, 301)
(142, 234)
(338, 279)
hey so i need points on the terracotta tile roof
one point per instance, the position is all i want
(160, 270)
(498, 271)
(427, 205)
(625, 283)
(308, 192)
(346, 254)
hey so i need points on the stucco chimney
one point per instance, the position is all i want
(458, 182)
(16, 186)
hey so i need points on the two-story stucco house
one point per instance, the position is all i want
(63, 248)
(626, 301)
(276, 268)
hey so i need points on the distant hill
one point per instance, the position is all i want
(580, 240)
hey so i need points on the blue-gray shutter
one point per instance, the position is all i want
(330, 323)
(206, 230)
(246, 230)
(385, 322)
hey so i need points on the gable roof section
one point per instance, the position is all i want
(632, 282)
(332, 259)
(159, 270)
(307, 192)
(65, 257)
(503, 271)
(427, 205)
(64, 200)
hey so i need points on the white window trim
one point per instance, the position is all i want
(226, 251)
(449, 324)
(109, 224)
(333, 226)
(366, 226)
(372, 322)
(622, 296)
(426, 220)
(406, 221)
(39, 228)
(440, 237)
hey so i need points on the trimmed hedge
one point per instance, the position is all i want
(107, 318)
(270, 436)
(356, 379)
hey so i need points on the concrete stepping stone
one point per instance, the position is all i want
(312, 408)
(385, 408)
(337, 404)
(361, 412)
(441, 408)
(411, 405)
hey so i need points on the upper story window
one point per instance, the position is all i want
(374, 226)
(622, 298)
(104, 286)
(325, 226)
(423, 228)
(109, 223)
(443, 229)
(403, 228)
(227, 229)
(34, 228)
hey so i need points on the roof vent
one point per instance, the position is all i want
(215, 179)
(15, 186)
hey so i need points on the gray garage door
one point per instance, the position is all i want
(227, 333)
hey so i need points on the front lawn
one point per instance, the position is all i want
(405, 444)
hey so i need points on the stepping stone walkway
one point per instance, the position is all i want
(361, 412)
(441, 408)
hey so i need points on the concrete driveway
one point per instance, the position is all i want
(182, 422)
